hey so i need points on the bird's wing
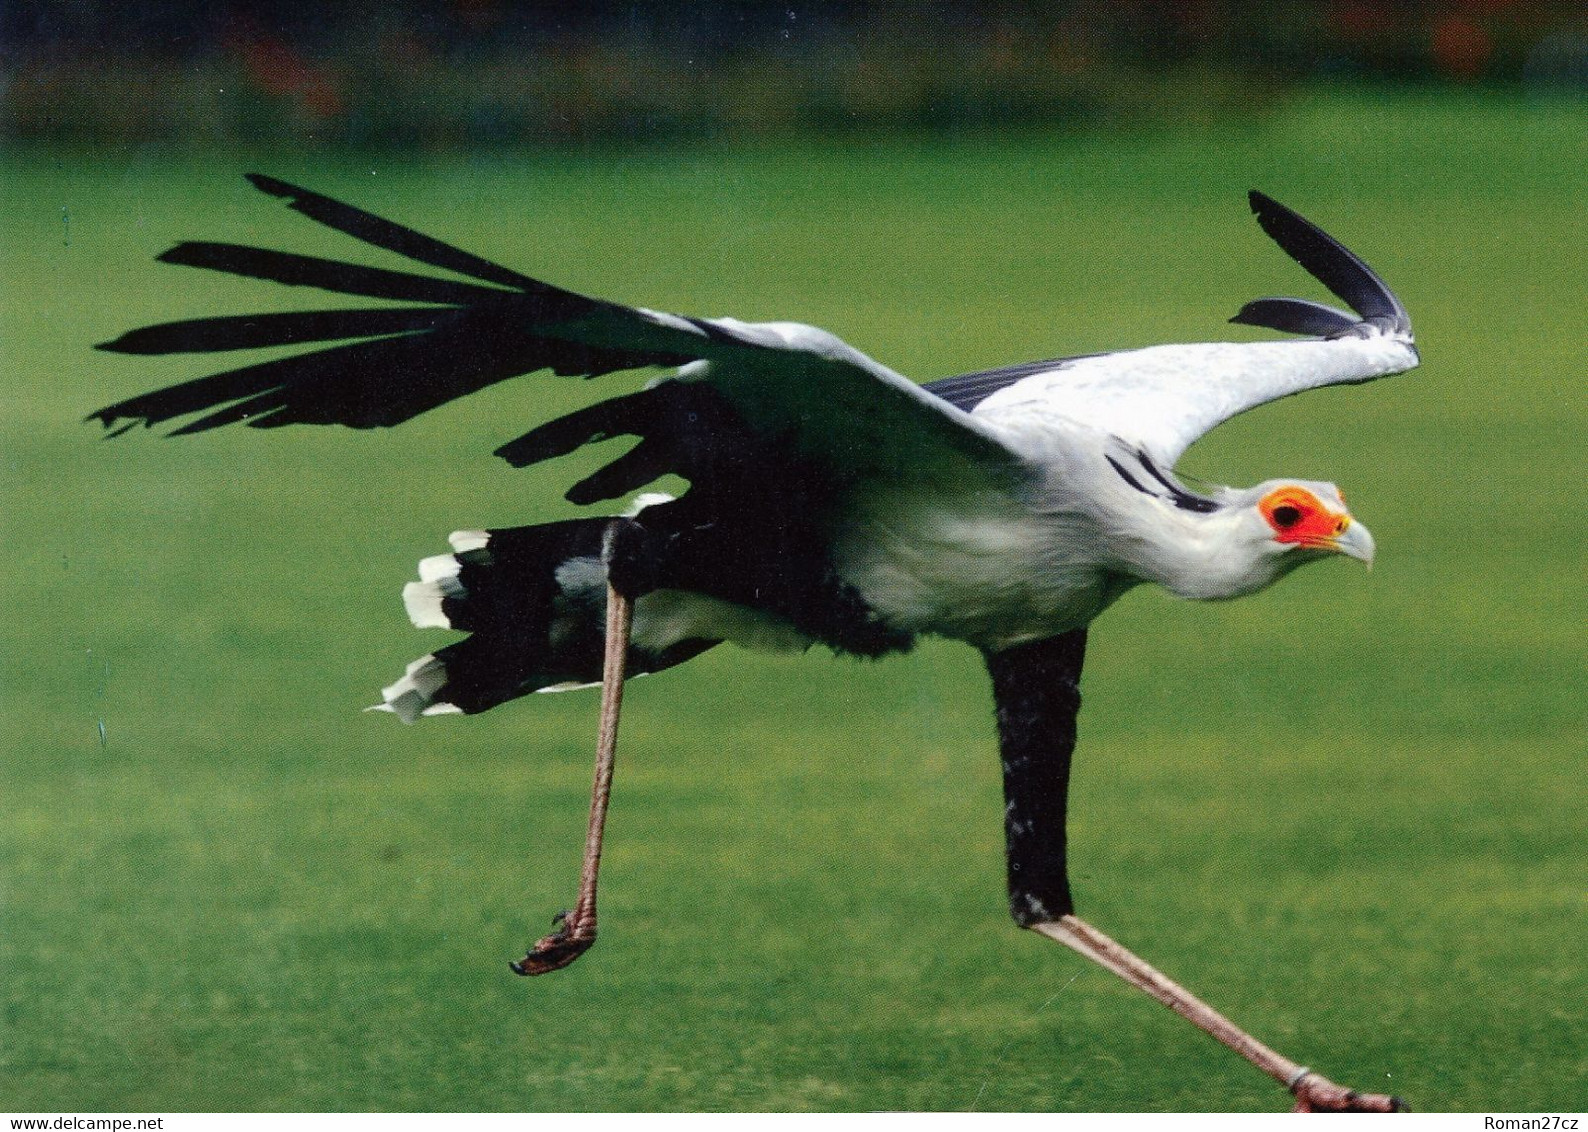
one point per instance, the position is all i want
(1163, 398)
(794, 385)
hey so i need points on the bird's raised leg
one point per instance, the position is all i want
(576, 930)
(1037, 690)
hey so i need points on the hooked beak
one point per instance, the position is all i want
(1355, 541)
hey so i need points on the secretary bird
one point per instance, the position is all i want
(831, 500)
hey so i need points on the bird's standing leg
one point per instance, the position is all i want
(576, 930)
(1037, 690)
(1313, 1093)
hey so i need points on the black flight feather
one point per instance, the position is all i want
(1331, 263)
(348, 384)
(630, 415)
(1296, 316)
(230, 385)
(392, 236)
(252, 331)
(410, 360)
(648, 460)
(256, 410)
(687, 428)
(379, 382)
(328, 274)
(967, 390)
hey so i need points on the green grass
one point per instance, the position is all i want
(1349, 811)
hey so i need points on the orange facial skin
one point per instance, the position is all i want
(1298, 516)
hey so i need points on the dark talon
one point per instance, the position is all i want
(555, 951)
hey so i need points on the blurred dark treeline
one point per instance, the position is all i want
(454, 72)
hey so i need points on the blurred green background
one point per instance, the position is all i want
(1349, 811)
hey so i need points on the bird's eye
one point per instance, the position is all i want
(1286, 516)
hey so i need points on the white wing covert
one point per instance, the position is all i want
(1164, 398)
(832, 405)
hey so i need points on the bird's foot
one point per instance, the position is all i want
(574, 936)
(1318, 1094)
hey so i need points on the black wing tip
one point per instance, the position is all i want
(112, 429)
(1295, 316)
(1333, 264)
(273, 186)
(1270, 214)
(108, 417)
(517, 453)
(381, 233)
(185, 253)
(140, 342)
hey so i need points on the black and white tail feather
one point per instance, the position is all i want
(776, 426)
(533, 601)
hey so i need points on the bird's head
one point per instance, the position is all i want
(1239, 540)
(1284, 523)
